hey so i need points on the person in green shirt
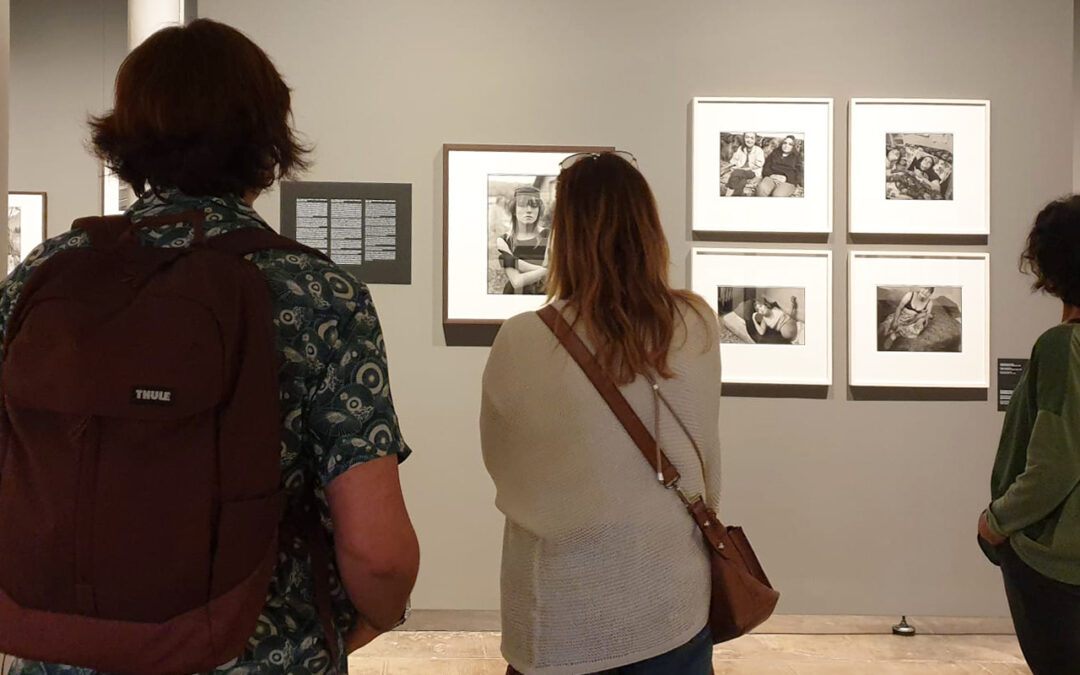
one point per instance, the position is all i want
(1032, 526)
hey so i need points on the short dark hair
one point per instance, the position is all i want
(200, 108)
(1052, 253)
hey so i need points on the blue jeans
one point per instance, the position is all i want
(692, 658)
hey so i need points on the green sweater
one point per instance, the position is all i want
(1036, 500)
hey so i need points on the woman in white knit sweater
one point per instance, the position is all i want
(603, 570)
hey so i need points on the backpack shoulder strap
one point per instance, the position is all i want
(304, 524)
(250, 239)
(104, 231)
(649, 446)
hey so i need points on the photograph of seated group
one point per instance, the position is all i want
(761, 164)
(745, 148)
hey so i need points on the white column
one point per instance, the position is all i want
(1076, 96)
(146, 17)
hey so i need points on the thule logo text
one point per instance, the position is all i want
(152, 396)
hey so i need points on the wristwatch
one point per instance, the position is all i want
(404, 615)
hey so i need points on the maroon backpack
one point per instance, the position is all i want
(140, 452)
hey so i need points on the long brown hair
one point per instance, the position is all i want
(609, 262)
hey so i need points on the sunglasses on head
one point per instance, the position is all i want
(574, 159)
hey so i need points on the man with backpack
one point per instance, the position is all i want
(198, 445)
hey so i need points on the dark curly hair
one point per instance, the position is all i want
(1052, 253)
(200, 108)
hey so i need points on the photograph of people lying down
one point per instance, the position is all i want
(761, 315)
(919, 166)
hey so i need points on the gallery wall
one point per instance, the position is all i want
(856, 506)
(64, 57)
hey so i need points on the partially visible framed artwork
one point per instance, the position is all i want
(27, 224)
(919, 166)
(498, 201)
(762, 164)
(775, 312)
(116, 195)
(919, 319)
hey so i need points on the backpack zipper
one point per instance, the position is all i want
(88, 441)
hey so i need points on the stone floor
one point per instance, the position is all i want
(477, 653)
(785, 645)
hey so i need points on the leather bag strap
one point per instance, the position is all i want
(644, 440)
(711, 528)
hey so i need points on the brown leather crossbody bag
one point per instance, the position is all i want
(741, 595)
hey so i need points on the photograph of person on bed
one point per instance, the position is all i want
(761, 315)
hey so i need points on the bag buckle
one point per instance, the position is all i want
(669, 484)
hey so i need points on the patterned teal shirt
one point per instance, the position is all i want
(336, 413)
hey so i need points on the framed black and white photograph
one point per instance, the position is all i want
(747, 149)
(762, 164)
(775, 312)
(519, 225)
(498, 201)
(919, 166)
(936, 175)
(27, 224)
(919, 319)
(761, 315)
